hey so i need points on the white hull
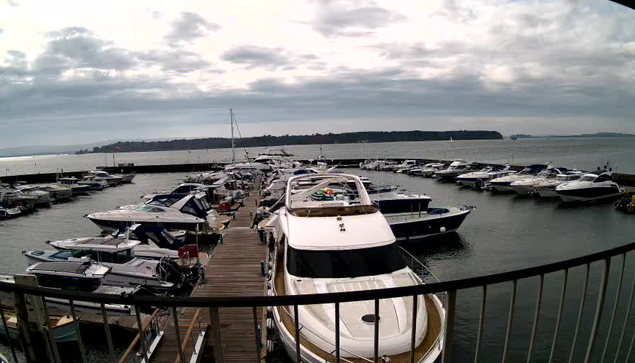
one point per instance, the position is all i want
(576, 199)
(502, 188)
(306, 355)
(523, 190)
(546, 193)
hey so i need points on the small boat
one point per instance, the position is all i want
(428, 170)
(74, 185)
(547, 188)
(407, 164)
(502, 184)
(590, 187)
(94, 183)
(74, 276)
(7, 212)
(478, 179)
(99, 175)
(62, 327)
(118, 254)
(328, 241)
(191, 212)
(57, 192)
(30, 199)
(127, 178)
(455, 169)
(526, 186)
(427, 223)
(626, 204)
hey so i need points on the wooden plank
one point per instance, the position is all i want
(233, 270)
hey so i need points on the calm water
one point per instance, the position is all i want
(505, 232)
(580, 153)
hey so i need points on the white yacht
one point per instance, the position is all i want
(502, 184)
(526, 186)
(455, 169)
(74, 184)
(191, 212)
(75, 276)
(479, 178)
(547, 188)
(590, 187)
(7, 212)
(430, 169)
(119, 255)
(407, 164)
(99, 175)
(330, 242)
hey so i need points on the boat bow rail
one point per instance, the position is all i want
(447, 287)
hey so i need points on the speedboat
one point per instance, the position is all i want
(333, 242)
(30, 197)
(62, 328)
(526, 186)
(547, 188)
(479, 178)
(428, 170)
(590, 187)
(73, 183)
(191, 212)
(94, 183)
(99, 175)
(57, 192)
(407, 164)
(7, 212)
(75, 276)
(455, 169)
(503, 183)
(119, 255)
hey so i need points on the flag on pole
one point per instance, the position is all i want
(117, 148)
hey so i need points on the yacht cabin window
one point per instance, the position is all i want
(68, 283)
(344, 263)
(588, 178)
(603, 178)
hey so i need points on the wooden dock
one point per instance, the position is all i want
(233, 270)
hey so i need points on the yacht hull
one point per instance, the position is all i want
(588, 195)
(412, 226)
(112, 225)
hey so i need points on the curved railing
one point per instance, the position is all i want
(449, 287)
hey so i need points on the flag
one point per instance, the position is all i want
(117, 148)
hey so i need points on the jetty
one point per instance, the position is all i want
(233, 270)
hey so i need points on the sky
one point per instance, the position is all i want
(76, 72)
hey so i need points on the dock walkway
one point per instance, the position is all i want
(233, 270)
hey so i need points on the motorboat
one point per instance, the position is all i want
(590, 187)
(57, 192)
(502, 184)
(626, 204)
(428, 222)
(127, 178)
(266, 162)
(526, 186)
(407, 164)
(333, 242)
(62, 327)
(73, 183)
(99, 175)
(7, 212)
(94, 183)
(547, 188)
(119, 255)
(428, 170)
(455, 169)
(29, 198)
(75, 276)
(191, 212)
(479, 178)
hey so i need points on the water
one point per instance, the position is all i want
(585, 153)
(504, 233)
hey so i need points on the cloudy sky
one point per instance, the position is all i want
(84, 71)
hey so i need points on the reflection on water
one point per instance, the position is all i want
(442, 247)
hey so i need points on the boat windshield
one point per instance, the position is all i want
(344, 263)
(150, 208)
(588, 178)
(68, 283)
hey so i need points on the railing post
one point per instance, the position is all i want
(598, 309)
(256, 337)
(216, 334)
(580, 312)
(626, 316)
(111, 347)
(614, 314)
(449, 327)
(481, 323)
(177, 332)
(413, 335)
(376, 335)
(6, 332)
(559, 318)
(337, 332)
(510, 321)
(296, 318)
(142, 335)
(534, 329)
(49, 330)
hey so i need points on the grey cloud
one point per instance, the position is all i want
(176, 60)
(188, 27)
(335, 20)
(254, 56)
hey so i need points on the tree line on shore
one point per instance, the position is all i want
(269, 140)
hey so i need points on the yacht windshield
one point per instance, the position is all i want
(344, 263)
(588, 178)
(150, 208)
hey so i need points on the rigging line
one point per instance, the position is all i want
(240, 135)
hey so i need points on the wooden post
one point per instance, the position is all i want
(31, 321)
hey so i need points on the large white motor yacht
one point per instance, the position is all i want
(547, 188)
(480, 177)
(590, 187)
(503, 183)
(526, 186)
(328, 242)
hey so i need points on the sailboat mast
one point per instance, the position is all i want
(231, 118)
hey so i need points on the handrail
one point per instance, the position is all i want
(251, 301)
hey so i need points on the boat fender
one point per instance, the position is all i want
(442, 229)
(269, 310)
(385, 358)
(269, 323)
(270, 292)
(269, 346)
(262, 268)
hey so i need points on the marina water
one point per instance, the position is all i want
(504, 233)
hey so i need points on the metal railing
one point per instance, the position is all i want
(605, 258)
